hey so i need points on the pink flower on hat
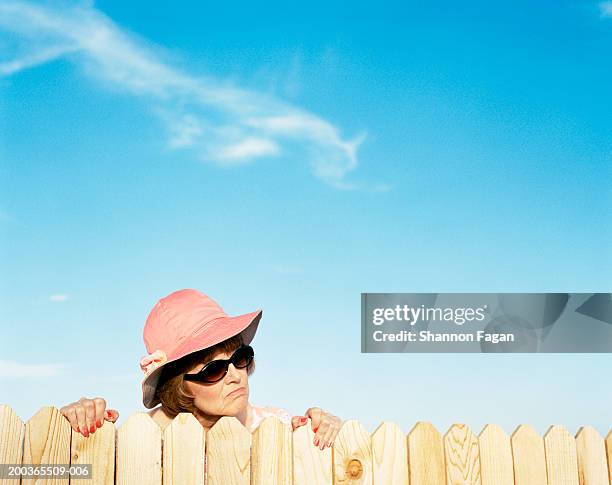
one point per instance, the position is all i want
(152, 361)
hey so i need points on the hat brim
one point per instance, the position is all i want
(223, 329)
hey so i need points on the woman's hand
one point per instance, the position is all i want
(324, 425)
(87, 415)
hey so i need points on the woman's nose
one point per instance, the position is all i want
(233, 374)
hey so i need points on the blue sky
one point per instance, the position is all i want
(290, 158)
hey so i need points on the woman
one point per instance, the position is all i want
(199, 362)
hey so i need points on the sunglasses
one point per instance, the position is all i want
(215, 370)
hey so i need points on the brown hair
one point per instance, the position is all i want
(170, 388)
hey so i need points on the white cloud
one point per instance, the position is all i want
(221, 122)
(605, 9)
(59, 298)
(10, 369)
(248, 148)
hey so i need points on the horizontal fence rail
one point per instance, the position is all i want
(140, 453)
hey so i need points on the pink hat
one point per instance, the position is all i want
(182, 323)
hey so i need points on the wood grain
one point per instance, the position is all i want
(496, 466)
(528, 456)
(99, 451)
(352, 455)
(184, 443)
(389, 455)
(591, 452)
(426, 462)
(12, 431)
(561, 459)
(271, 454)
(462, 456)
(228, 453)
(47, 442)
(311, 466)
(139, 451)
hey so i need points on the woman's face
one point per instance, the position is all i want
(227, 397)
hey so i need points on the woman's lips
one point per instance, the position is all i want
(237, 392)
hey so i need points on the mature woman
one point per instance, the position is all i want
(199, 362)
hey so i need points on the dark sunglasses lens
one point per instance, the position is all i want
(215, 371)
(242, 357)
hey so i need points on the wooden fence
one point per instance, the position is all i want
(138, 452)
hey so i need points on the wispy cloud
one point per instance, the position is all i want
(59, 298)
(219, 121)
(10, 369)
(605, 9)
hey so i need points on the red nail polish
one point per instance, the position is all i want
(78, 430)
(85, 433)
(92, 429)
(98, 423)
(315, 430)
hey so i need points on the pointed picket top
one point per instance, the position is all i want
(528, 456)
(592, 463)
(352, 455)
(99, 451)
(389, 454)
(139, 451)
(47, 440)
(311, 466)
(496, 466)
(183, 451)
(228, 453)
(609, 453)
(426, 455)
(561, 459)
(271, 454)
(12, 431)
(462, 456)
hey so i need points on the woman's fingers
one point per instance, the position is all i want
(111, 415)
(90, 414)
(70, 413)
(99, 406)
(87, 415)
(297, 421)
(81, 419)
(330, 435)
(321, 431)
(325, 426)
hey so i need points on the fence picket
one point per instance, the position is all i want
(352, 455)
(97, 450)
(139, 451)
(47, 441)
(389, 455)
(528, 456)
(561, 459)
(592, 465)
(228, 453)
(462, 456)
(271, 453)
(12, 431)
(426, 455)
(495, 456)
(183, 451)
(311, 466)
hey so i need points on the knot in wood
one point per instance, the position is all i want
(354, 469)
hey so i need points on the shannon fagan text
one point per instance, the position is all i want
(412, 315)
(428, 336)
